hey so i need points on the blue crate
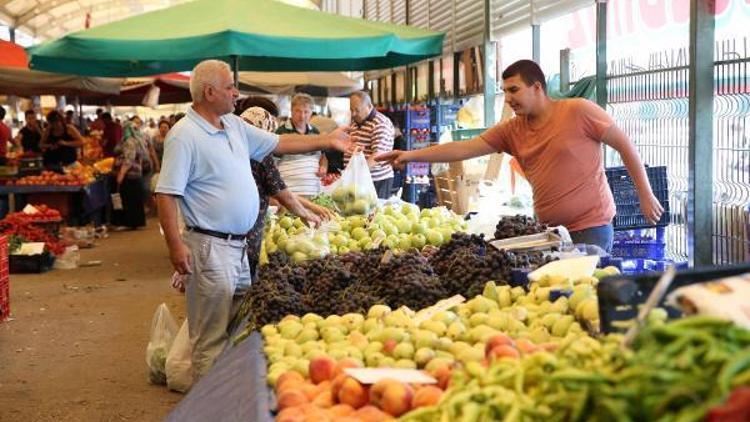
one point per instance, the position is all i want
(642, 266)
(626, 197)
(643, 243)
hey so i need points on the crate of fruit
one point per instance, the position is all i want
(621, 296)
(28, 264)
(626, 197)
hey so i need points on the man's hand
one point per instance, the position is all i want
(341, 141)
(395, 158)
(651, 208)
(322, 171)
(179, 254)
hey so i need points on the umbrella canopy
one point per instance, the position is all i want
(263, 35)
(17, 79)
(320, 84)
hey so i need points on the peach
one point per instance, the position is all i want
(389, 345)
(324, 399)
(504, 351)
(497, 340)
(291, 398)
(340, 410)
(288, 376)
(429, 395)
(392, 396)
(291, 414)
(291, 384)
(310, 390)
(352, 393)
(322, 368)
(372, 414)
(526, 346)
(346, 363)
(347, 419)
(443, 374)
(336, 384)
(315, 414)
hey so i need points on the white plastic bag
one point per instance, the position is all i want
(354, 193)
(116, 201)
(308, 244)
(179, 365)
(69, 259)
(163, 331)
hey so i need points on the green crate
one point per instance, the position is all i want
(466, 134)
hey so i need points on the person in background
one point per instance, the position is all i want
(157, 141)
(271, 186)
(302, 172)
(60, 142)
(98, 123)
(327, 125)
(4, 136)
(374, 133)
(130, 166)
(152, 129)
(70, 119)
(558, 144)
(111, 136)
(30, 135)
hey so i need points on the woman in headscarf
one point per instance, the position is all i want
(257, 111)
(131, 165)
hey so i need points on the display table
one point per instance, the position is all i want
(234, 389)
(77, 204)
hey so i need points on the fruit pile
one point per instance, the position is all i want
(45, 214)
(520, 225)
(50, 178)
(354, 281)
(395, 227)
(22, 230)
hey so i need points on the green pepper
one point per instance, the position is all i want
(733, 367)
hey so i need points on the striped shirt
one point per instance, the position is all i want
(374, 136)
(299, 170)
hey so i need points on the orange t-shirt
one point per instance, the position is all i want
(563, 162)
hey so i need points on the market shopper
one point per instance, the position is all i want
(5, 135)
(131, 165)
(302, 172)
(111, 134)
(30, 135)
(374, 133)
(271, 188)
(206, 171)
(157, 141)
(558, 144)
(335, 158)
(60, 142)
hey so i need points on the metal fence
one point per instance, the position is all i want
(651, 105)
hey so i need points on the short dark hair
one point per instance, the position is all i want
(99, 111)
(2, 112)
(106, 116)
(69, 113)
(529, 72)
(29, 112)
(164, 122)
(54, 116)
(257, 101)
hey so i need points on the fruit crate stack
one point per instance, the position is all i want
(640, 244)
(4, 280)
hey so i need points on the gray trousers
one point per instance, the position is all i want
(221, 276)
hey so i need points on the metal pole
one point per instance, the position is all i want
(12, 33)
(564, 70)
(700, 126)
(489, 50)
(408, 80)
(601, 53)
(536, 46)
(236, 70)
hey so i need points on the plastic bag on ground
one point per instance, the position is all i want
(163, 331)
(69, 260)
(354, 193)
(179, 366)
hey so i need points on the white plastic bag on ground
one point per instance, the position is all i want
(179, 365)
(163, 331)
(70, 259)
(354, 193)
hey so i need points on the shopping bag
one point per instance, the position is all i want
(179, 365)
(163, 331)
(116, 201)
(354, 193)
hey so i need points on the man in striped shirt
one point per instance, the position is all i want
(373, 133)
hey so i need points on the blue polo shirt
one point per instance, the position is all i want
(209, 169)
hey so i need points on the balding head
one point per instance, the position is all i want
(360, 104)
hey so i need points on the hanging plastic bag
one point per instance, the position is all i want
(116, 201)
(354, 193)
(308, 244)
(163, 331)
(179, 366)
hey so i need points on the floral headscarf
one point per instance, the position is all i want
(260, 118)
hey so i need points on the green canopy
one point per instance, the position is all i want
(262, 35)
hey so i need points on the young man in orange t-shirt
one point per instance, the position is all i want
(558, 145)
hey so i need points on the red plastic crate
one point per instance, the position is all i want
(4, 280)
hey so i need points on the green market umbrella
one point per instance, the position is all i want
(259, 35)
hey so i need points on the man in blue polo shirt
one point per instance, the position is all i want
(206, 170)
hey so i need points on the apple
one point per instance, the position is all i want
(393, 397)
